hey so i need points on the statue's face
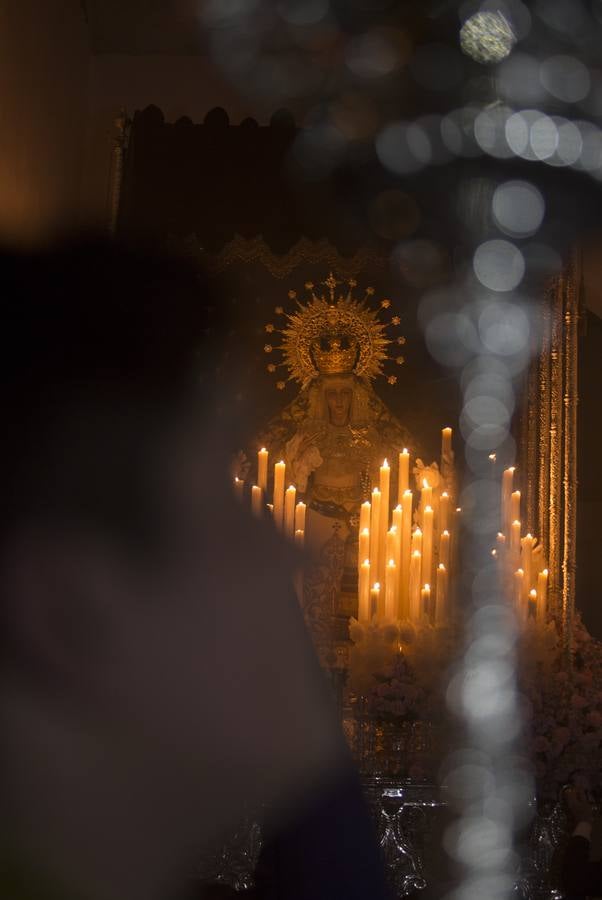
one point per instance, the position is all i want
(338, 398)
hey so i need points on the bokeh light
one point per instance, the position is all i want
(499, 265)
(518, 208)
(487, 37)
(403, 148)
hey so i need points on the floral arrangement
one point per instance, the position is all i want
(563, 711)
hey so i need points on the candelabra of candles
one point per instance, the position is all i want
(405, 551)
(522, 557)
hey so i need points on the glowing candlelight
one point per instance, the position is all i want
(441, 612)
(364, 610)
(425, 597)
(262, 469)
(239, 487)
(414, 591)
(375, 600)
(542, 595)
(364, 544)
(527, 562)
(300, 513)
(391, 591)
(515, 541)
(444, 511)
(279, 473)
(417, 541)
(404, 474)
(532, 607)
(515, 506)
(290, 499)
(446, 444)
(426, 495)
(444, 549)
(365, 515)
(375, 532)
(385, 484)
(299, 537)
(256, 501)
(507, 488)
(518, 589)
(427, 545)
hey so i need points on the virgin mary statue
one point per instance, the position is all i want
(333, 437)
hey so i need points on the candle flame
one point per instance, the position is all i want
(441, 567)
(391, 563)
(405, 493)
(385, 464)
(406, 451)
(376, 587)
(418, 532)
(366, 503)
(458, 509)
(444, 494)
(425, 483)
(428, 509)
(366, 563)
(516, 522)
(375, 491)
(511, 469)
(393, 529)
(281, 463)
(533, 593)
(446, 533)
(416, 553)
(492, 457)
(529, 537)
(545, 572)
(427, 587)
(366, 531)
(236, 480)
(520, 572)
(263, 450)
(398, 508)
(494, 552)
(291, 487)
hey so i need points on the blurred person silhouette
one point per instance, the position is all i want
(157, 679)
(580, 875)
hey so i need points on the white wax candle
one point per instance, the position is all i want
(444, 549)
(527, 563)
(385, 483)
(446, 444)
(262, 469)
(290, 501)
(300, 511)
(542, 596)
(507, 488)
(364, 545)
(532, 607)
(375, 601)
(391, 591)
(365, 509)
(427, 545)
(425, 596)
(441, 611)
(375, 533)
(404, 474)
(256, 501)
(299, 537)
(406, 550)
(515, 506)
(364, 611)
(426, 495)
(417, 541)
(279, 473)
(414, 587)
(239, 487)
(443, 523)
(398, 526)
(518, 591)
(515, 542)
(390, 544)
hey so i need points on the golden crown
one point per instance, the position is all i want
(332, 335)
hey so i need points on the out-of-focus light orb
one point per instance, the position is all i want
(403, 148)
(499, 265)
(566, 78)
(487, 37)
(518, 208)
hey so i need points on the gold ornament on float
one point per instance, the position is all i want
(334, 334)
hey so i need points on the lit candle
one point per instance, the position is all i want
(425, 596)
(406, 551)
(518, 589)
(515, 506)
(527, 563)
(279, 473)
(441, 611)
(300, 511)
(299, 537)
(427, 545)
(385, 484)
(239, 487)
(417, 541)
(364, 545)
(390, 545)
(375, 532)
(364, 611)
(414, 586)
(515, 542)
(398, 526)
(444, 511)
(446, 444)
(444, 549)
(391, 591)
(262, 469)
(375, 600)
(365, 515)
(404, 474)
(542, 595)
(290, 499)
(501, 542)
(532, 607)
(256, 501)
(507, 487)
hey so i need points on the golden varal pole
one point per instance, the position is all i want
(544, 415)
(571, 400)
(556, 444)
